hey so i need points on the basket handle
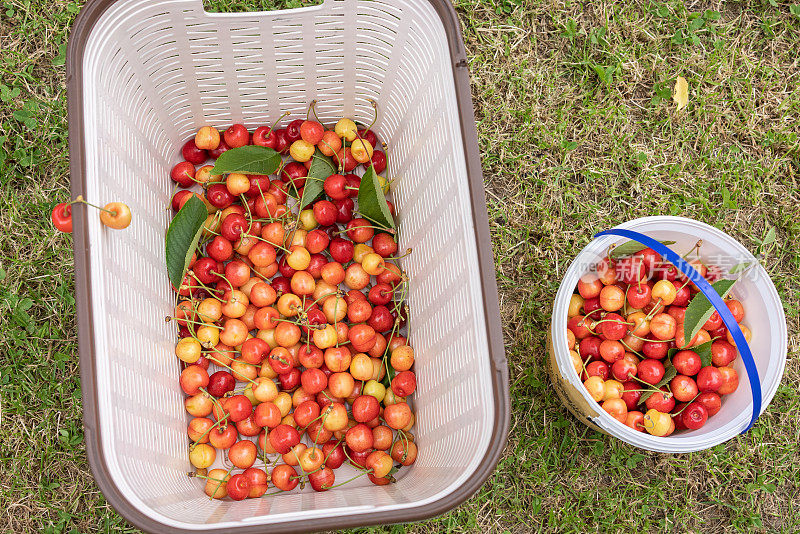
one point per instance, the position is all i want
(705, 287)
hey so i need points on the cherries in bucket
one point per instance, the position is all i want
(648, 345)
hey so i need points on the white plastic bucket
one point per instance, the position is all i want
(764, 316)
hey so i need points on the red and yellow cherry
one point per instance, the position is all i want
(590, 286)
(284, 477)
(243, 454)
(116, 215)
(635, 420)
(236, 136)
(657, 423)
(730, 381)
(258, 481)
(322, 480)
(207, 138)
(683, 388)
(361, 150)
(662, 401)
(709, 379)
(650, 371)
(616, 408)
(223, 437)
(217, 484)
(330, 143)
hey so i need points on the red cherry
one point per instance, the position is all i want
(369, 135)
(661, 402)
(220, 383)
(236, 136)
(597, 368)
(238, 487)
(322, 480)
(694, 416)
(630, 395)
(283, 438)
(341, 250)
(590, 348)
(687, 362)
(650, 371)
(404, 383)
(232, 226)
(293, 130)
(710, 401)
(344, 210)
(192, 154)
(325, 212)
(221, 148)
(183, 174)
(219, 196)
(62, 217)
(709, 379)
(353, 183)
(281, 141)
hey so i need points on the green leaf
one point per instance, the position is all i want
(248, 159)
(740, 267)
(704, 351)
(183, 235)
(669, 373)
(321, 168)
(770, 237)
(372, 202)
(629, 248)
(700, 309)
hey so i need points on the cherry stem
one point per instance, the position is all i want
(630, 349)
(653, 340)
(687, 405)
(408, 252)
(210, 357)
(189, 321)
(364, 226)
(217, 404)
(81, 200)
(355, 465)
(654, 310)
(223, 418)
(220, 483)
(274, 124)
(667, 394)
(375, 119)
(347, 481)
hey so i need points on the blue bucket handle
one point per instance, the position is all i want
(713, 297)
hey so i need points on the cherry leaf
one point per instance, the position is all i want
(629, 248)
(321, 168)
(372, 202)
(248, 159)
(704, 351)
(681, 93)
(700, 309)
(182, 237)
(669, 373)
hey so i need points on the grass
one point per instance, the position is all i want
(578, 133)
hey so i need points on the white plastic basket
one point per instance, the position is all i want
(764, 316)
(143, 75)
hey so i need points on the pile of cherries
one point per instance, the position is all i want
(290, 322)
(624, 318)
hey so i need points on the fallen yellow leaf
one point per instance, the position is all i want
(681, 93)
